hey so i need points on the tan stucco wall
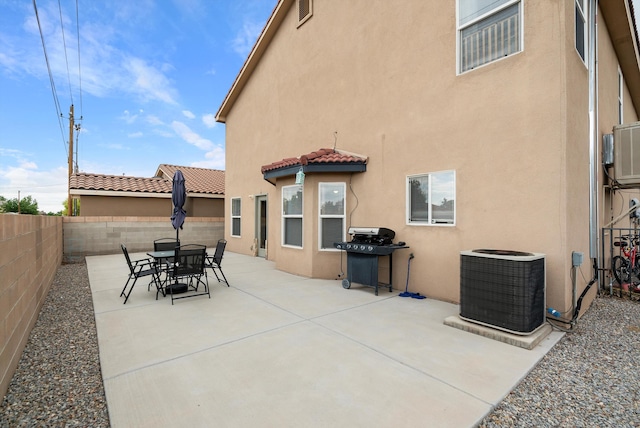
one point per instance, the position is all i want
(30, 253)
(91, 206)
(515, 131)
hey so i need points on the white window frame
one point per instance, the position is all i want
(286, 216)
(236, 216)
(581, 9)
(485, 17)
(620, 97)
(322, 216)
(430, 220)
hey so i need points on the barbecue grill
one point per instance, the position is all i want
(367, 245)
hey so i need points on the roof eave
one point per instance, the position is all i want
(619, 20)
(259, 48)
(314, 168)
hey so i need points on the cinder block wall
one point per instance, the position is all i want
(30, 254)
(86, 236)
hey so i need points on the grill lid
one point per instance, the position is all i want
(372, 232)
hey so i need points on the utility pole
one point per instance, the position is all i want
(69, 207)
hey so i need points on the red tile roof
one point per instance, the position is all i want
(197, 180)
(319, 156)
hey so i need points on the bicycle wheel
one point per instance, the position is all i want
(621, 270)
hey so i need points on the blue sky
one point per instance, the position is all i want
(147, 80)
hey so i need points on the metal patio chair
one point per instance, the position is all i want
(165, 244)
(214, 262)
(187, 273)
(140, 269)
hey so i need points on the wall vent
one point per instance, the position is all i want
(627, 154)
(503, 289)
(305, 10)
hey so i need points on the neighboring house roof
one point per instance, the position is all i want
(620, 24)
(200, 182)
(322, 160)
(197, 180)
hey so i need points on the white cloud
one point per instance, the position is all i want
(214, 159)
(190, 136)
(154, 120)
(106, 68)
(138, 134)
(128, 117)
(48, 188)
(246, 37)
(149, 82)
(188, 114)
(209, 120)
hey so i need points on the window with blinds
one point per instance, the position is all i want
(488, 30)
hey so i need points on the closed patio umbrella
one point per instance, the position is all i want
(178, 197)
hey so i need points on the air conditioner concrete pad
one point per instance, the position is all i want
(529, 341)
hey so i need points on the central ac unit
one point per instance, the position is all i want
(626, 139)
(503, 289)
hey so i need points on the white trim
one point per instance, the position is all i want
(498, 9)
(584, 12)
(343, 216)
(620, 97)
(284, 217)
(408, 222)
(232, 217)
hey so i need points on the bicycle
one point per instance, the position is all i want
(626, 266)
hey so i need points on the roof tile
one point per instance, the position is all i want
(197, 180)
(319, 156)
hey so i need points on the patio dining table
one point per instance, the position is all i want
(159, 257)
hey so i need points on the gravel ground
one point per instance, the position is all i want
(58, 382)
(589, 379)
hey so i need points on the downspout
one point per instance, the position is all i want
(593, 131)
(593, 166)
(593, 154)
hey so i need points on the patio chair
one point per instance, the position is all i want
(165, 244)
(215, 262)
(140, 269)
(188, 267)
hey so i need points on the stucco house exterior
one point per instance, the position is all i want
(458, 124)
(114, 195)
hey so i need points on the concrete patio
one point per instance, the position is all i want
(278, 350)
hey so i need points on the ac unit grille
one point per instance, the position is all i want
(503, 292)
(627, 154)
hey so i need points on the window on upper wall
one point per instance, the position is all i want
(305, 10)
(488, 30)
(581, 29)
(292, 216)
(332, 214)
(620, 97)
(431, 198)
(235, 216)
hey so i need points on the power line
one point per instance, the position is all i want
(79, 71)
(64, 44)
(53, 86)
